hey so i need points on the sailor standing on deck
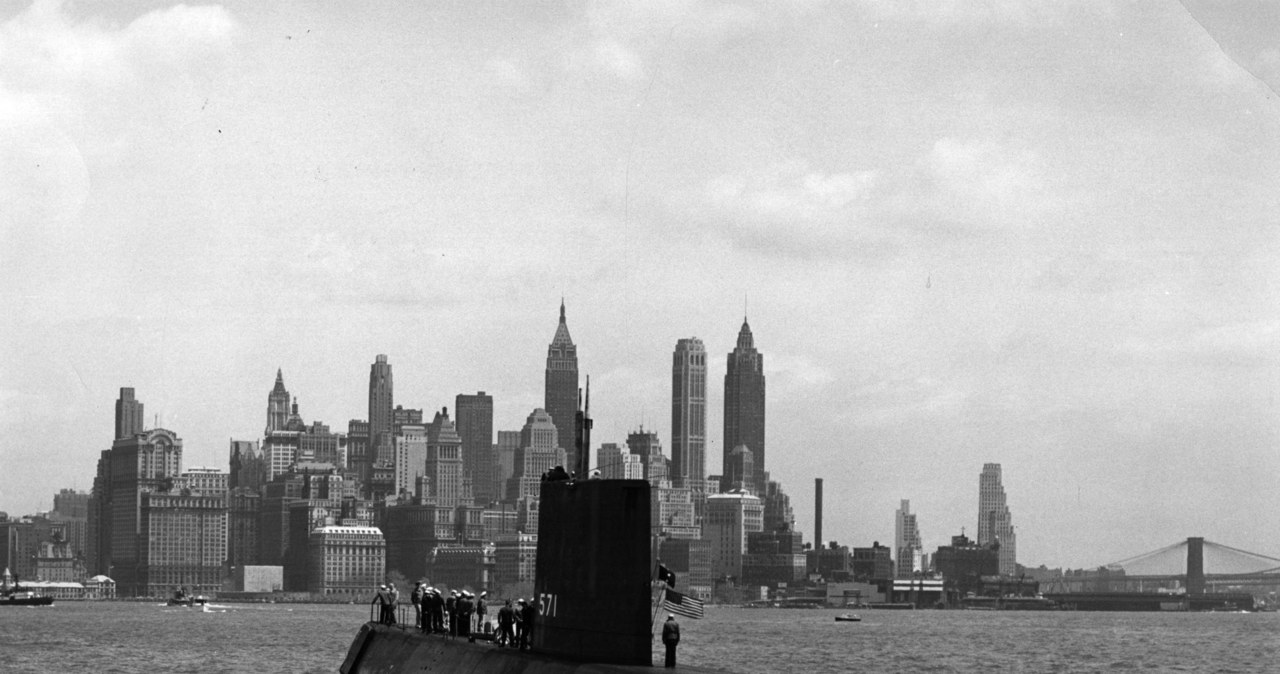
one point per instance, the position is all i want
(451, 607)
(416, 597)
(435, 611)
(380, 600)
(671, 637)
(528, 613)
(506, 621)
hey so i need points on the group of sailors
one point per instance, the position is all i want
(459, 613)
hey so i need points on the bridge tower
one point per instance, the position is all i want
(1195, 566)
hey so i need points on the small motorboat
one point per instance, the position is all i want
(848, 618)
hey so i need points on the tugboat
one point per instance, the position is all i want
(592, 591)
(12, 594)
(181, 598)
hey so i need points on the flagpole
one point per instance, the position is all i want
(658, 603)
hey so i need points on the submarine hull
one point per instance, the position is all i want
(383, 649)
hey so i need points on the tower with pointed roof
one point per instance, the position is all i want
(744, 406)
(561, 399)
(278, 407)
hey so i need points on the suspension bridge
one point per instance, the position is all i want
(1196, 569)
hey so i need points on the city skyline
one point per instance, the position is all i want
(1031, 235)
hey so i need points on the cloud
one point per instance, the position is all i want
(786, 204)
(982, 183)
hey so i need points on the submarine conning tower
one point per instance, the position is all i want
(593, 590)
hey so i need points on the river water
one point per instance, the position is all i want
(140, 637)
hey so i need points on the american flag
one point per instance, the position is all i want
(682, 604)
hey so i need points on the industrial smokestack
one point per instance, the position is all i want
(817, 513)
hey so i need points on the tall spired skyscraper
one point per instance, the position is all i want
(381, 412)
(689, 415)
(561, 400)
(994, 521)
(744, 406)
(277, 405)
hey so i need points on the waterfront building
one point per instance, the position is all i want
(539, 452)
(183, 542)
(995, 524)
(19, 546)
(474, 422)
(744, 405)
(98, 531)
(963, 564)
(729, 518)
(71, 510)
(346, 559)
(561, 390)
(515, 558)
(774, 559)
(140, 464)
(831, 562)
(411, 458)
(381, 406)
(906, 542)
(254, 578)
(244, 505)
(690, 560)
(873, 564)
(129, 419)
(463, 566)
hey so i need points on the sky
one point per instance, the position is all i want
(1037, 235)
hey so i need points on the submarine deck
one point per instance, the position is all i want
(383, 649)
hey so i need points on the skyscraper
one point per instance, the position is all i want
(689, 414)
(744, 406)
(136, 465)
(448, 487)
(475, 427)
(277, 405)
(380, 409)
(907, 549)
(539, 452)
(995, 524)
(128, 415)
(561, 399)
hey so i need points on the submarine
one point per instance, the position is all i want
(592, 590)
